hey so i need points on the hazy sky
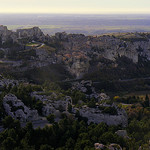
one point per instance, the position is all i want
(75, 6)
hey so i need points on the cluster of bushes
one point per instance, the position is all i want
(2, 53)
(108, 110)
(128, 100)
(76, 135)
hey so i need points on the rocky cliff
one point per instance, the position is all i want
(80, 54)
(79, 50)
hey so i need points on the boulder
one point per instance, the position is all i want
(122, 133)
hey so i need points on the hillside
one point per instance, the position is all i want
(124, 55)
(93, 90)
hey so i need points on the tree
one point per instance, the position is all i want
(92, 103)
(8, 122)
(39, 106)
(2, 53)
(51, 118)
(69, 108)
(46, 147)
(146, 102)
(8, 144)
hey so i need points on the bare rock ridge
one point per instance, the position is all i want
(33, 33)
(77, 51)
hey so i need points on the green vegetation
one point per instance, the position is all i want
(51, 118)
(76, 135)
(110, 110)
(22, 92)
(67, 134)
(32, 44)
(53, 73)
(2, 53)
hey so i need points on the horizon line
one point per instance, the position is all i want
(21, 13)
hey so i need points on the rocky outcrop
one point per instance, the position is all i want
(115, 115)
(9, 36)
(108, 47)
(8, 82)
(57, 104)
(86, 86)
(53, 104)
(16, 109)
(122, 133)
(97, 116)
(113, 146)
(34, 33)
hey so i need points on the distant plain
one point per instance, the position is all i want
(84, 24)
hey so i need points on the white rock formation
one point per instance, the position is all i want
(52, 104)
(7, 82)
(113, 146)
(16, 109)
(122, 133)
(95, 115)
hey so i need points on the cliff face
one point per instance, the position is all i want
(79, 50)
(108, 47)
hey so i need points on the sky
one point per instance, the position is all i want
(76, 6)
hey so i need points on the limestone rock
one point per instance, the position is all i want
(52, 104)
(99, 146)
(122, 133)
(113, 146)
(16, 109)
(96, 116)
(33, 33)
(7, 82)
(86, 86)
(7, 35)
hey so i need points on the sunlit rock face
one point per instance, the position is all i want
(34, 33)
